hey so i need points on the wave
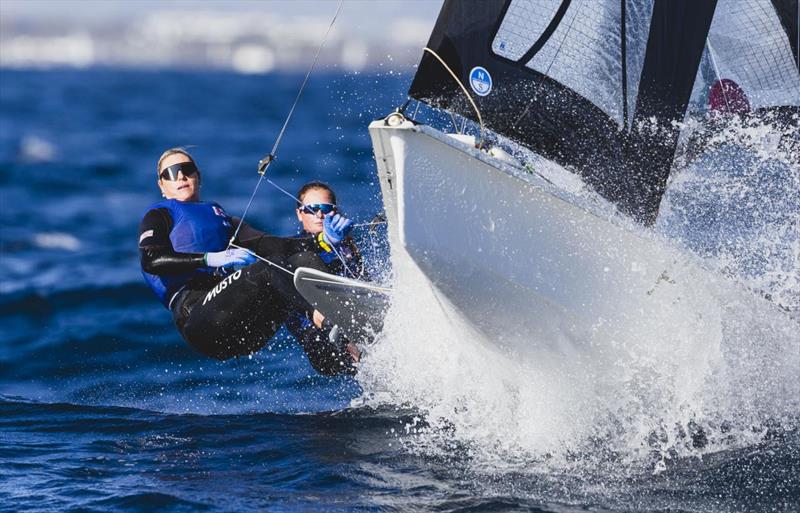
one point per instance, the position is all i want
(35, 149)
(39, 303)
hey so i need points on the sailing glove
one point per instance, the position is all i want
(335, 228)
(230, 258)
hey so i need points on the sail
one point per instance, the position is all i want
(599, 86)
(749, 46)
(787, 11)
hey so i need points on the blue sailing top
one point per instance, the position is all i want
(197, 227)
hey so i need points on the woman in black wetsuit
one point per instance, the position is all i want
(226, 302)
(315, 201)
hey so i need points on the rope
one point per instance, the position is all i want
(273, 264)
(480, 119)
(719, 77)
(343, 261)
(264, 163)
(357, 225)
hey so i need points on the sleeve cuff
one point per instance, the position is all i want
(323, 243)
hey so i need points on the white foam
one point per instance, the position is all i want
(35, 149)
(731, 369)
(56, 240)
(713, 354)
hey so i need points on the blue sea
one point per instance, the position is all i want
(104, 408)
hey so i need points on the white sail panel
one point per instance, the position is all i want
(583, 53)
(523, 24)
(750, 47)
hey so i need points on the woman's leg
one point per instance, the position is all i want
(239, 314)
(328, 355)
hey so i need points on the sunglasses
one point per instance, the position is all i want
(313, 208)
(171, 173)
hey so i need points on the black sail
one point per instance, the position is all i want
(787, 11)
(592, 85)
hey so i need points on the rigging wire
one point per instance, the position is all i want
(281, 189)
(416, 110)
(333, 247)
(284, 191)
(469, 97)
(716, 70)
(455, 123)
(287, 271)
(265, 162)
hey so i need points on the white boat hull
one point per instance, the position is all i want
(528, 268)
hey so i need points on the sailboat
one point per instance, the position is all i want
(546, 245)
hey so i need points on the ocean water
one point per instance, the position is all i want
(104, 408)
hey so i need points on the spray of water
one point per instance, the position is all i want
(706, 363)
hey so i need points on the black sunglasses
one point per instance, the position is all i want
(313, 208)
(171, 173)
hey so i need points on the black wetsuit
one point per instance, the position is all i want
(234, 314)
(346, 261)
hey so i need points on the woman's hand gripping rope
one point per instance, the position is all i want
(335, 227)
(229, 258)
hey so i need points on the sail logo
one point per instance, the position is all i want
(480, 80)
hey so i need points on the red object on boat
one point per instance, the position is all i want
(726, 97)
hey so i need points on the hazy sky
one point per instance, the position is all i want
(366, 16)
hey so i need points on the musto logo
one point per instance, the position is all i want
(222, 286)
(480, 80)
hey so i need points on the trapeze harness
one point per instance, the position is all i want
(235, 313)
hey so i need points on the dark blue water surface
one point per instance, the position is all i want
(104, 408)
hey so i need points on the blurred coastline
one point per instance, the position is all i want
(243, 37)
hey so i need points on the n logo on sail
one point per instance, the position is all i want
(480, 80)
